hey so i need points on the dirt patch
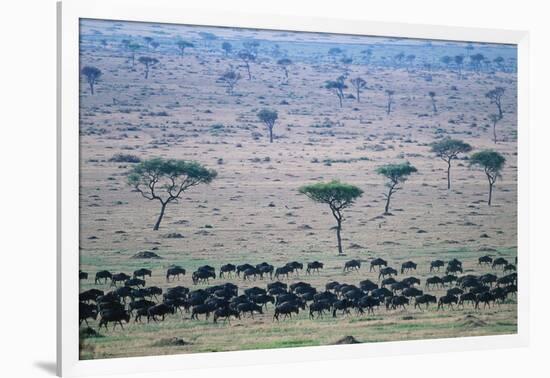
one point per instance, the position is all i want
(172, 341)
(472, 321)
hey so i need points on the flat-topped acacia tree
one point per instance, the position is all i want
(492, 163)
(285, 63)
(396, 174)
(338, 196)
(448, 149)
(268, 117)
(148, 62)
(182, 45)
(337, 87)
(495, 96)
(92, 74)
(432, 98)
(359, 84)
(165, 180)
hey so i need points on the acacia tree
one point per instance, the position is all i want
(268, 117)
(359, 84)
(476, 60)
(285, 63)
(165, 180)
(494, 118)
(337, 87)
(448, 150)
(133, 47)
(230, 78)
(92, 74)
(389, 94)
(492, 163)
(459, 61)
(338, 196)
(495, 95)
(396, 174)
(247, 57)
(182, 45)
(446, 60)
(432, 97)
(147, 62)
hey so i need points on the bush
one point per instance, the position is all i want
(125, 158)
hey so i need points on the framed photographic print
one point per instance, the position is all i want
(252, 184)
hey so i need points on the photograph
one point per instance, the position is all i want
(249, 189)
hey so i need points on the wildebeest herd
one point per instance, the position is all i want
(130, 297)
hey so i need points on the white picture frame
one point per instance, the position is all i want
(163, 11)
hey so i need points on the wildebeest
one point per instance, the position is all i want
(411, 281)
(251, 272)
(397, 301)
(485, 260)
(467, 297)
(295, 266)
(226, 313)
(488, 279)
(90, 295)
(486, 298)
(134, 282)
(82, 275)
(113, 315)
(142, 273)
(202, 276)
(369, 302)
(352, 265)
(499, 262)
(424, 299)
(388, 271)
(436, 264)
(103, 275)
(509, 268)
(263, 299)
(250, 308)
(412, 292)
(86, 311)
(119, 277)
(434, 281)
(242, 268)
(319, 307)
(408, 266)
(343, 305)
(265, 268)
(387, 282)
(174, 272)
(142, 303)
(331, 285)
(447, 300)
(453, 269)
(378, 262)
(205, 308)
(227, 269)
(286, 309)
(449, 279)
(367, 285)
(314, 266)
(282, 271)
(161, 309)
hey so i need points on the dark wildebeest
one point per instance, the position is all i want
(319, 307)
(205, 308)
(242, 268)
(263, 300)
(249, 307)
(447, 300)
(103, 275)
(455, 291)
(277, 284)
(378, 262)
(434, 281)
(292, 288)
(124, 292)
(509, 279)
(343, 305)
(509, 268)
(485, 260)
(202, 276)
(424, 299)
(486, 298)
(453, 269)
(286, 309)
(116, 315)
(295, 266)
(388, 271)
(153, 291)
(161, 309)
(397, 301)
(226, 313)
(387, 282)
(174, 272)
(253, 291)
(331, 285)
(142, 303)
(119, 277)
(228, 269)
(436, 264)
(408, 266)
(412, 292)
(314, 267)
(499, 262)
(381, 293)
(90, 295)
(251, 272)
(142, 273)
(282, 271)
(411, 281)
(86, 311)
(488, 279)
(449, 279)
(367, 285)
(369, 302)
(134, 282)
(352, 265)
(265, 268)
(468, 297)
(82, 275)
